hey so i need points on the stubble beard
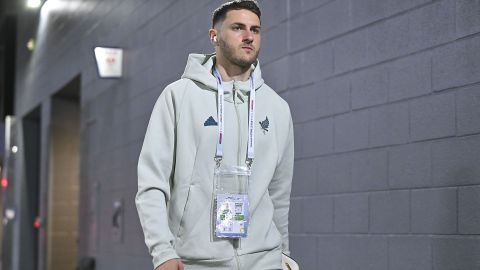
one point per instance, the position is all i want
(229, 52)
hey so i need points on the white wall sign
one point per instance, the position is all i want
(109, 62)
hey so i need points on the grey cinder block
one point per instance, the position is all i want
(298, 137)
(367, 11)
(318, 214)
(318, 137)
(304, 249)
(456, 64)
(277, 12)
(351, 51)
(275, 74)
(295, 222)
(469, 210)
(410, 253)
(351, 213)
(421, 28)
(370, 87)
(410, 166)
(304, 101)
(319, 24)
(351, 131)
(304, 177)
(334, 19)
(311, 65)
(319, 100)
(369, 170)
(468, 110)
(467, 19)
(410, 77)
(338, 94)
(334, 174)
(455, 161)
(432, 117)
(456, 253)
(274, 43)
(307, 36)
(434, 211)
(352, 252)
(389, 125)
(390, 212)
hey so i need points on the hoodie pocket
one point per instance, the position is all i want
(196, 213)
(185, 211)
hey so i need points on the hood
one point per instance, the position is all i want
(199, 69)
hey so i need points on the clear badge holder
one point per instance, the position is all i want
(231, 201)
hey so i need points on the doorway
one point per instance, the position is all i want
(31, 200)
(64, 178)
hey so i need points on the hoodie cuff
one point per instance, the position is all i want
(163, 257)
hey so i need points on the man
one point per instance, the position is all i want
(176, 188)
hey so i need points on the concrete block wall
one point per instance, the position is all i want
(387, 134)
(385, 97)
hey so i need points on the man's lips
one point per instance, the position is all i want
(248, 48)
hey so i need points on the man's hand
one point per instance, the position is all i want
(173, 264)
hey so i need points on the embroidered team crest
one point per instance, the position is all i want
(210, 122)
(265, 124)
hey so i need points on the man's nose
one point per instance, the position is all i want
(248, 36)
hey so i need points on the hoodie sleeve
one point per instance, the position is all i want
(280, 187)
(155, 172)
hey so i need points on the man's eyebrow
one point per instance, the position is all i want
(242, 24)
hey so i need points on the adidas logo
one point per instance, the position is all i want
(210, 122)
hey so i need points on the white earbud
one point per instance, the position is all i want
(215, 39)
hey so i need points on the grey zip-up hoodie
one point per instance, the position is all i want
(176, 170)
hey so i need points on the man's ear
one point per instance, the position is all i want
(213, 36)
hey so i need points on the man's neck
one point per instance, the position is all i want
(232, 72)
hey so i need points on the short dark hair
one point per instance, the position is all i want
(221, 12)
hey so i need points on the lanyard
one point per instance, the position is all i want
(221, 120)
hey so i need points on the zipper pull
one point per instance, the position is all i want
(234, 90)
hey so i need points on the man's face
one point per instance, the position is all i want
(239, 38)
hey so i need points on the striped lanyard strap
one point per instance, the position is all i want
(221, 120)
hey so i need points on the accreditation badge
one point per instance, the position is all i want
(231, 201)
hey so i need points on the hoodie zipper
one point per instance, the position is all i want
(236, 253)
(239, 145)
